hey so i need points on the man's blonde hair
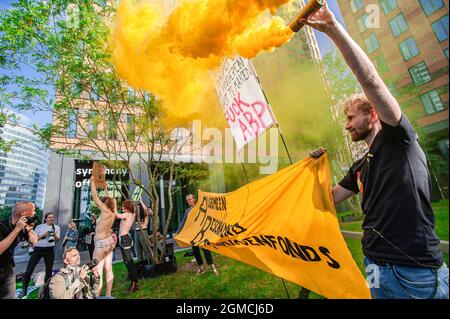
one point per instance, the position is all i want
(360, 101)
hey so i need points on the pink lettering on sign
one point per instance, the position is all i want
(259, 114)
(252, 122)
(245, 130)
(249, 116)
(230, 116)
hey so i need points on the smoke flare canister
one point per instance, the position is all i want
(310, 8)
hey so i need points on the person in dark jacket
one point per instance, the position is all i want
(190, 199)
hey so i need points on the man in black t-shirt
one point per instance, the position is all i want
(401, 249)
(13, 231)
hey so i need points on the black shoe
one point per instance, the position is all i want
(304, 293)
(133, 288)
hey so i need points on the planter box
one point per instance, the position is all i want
(146, 270)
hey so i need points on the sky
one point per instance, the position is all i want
(41, 118)
(324, 42)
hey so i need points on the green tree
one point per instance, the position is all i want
(340, 84)
(341, 81)
(5, 213)
(95, 115)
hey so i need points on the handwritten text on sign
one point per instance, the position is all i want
(246, 110)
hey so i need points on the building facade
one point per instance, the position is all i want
(408, 43)
(23, 170)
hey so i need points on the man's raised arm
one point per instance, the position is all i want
(375, 89)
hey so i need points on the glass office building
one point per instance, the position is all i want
(23, 169)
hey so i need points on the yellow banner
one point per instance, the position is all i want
(284, 224)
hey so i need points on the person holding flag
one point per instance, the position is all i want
(399, 241)
(190, 199)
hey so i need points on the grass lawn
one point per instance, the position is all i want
(440, 213)
(440, 209)
(237, 280)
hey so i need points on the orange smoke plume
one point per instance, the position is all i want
(171, 57)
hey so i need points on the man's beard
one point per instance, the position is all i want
(361, 135)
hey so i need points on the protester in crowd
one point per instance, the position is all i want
(89, 238)
(190, 199)
(71, 238)
(32, 225)
(127, 218)
(104, 241)
(133, 234)
(48, 233)
(142, 243)
(399, 242)
(13, 230)
(73, 281)
(115, 227)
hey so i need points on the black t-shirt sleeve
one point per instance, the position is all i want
(349, 181)
(402, 134)
(4, 230)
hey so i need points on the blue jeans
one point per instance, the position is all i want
(390, 281)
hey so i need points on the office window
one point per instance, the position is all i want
(443, 146)
(112, 126)
(362, 22)
(102, 3)
(408, 48)
(419, 73)
(371, 43)
(392, 88)
(72, 128)
(356, 5)
(446, 53)
(76, 89)
(381, 64)
(398, 25)
(432, 102)
(93, 124)
(93, 95)
(131, 127)
(131, 96)
(431, 6)
(440, 28)
(388, 5)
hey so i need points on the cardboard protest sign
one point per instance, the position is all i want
(99, 172)
(243, 102)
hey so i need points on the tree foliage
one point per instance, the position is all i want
(5, 213)
(63, 45)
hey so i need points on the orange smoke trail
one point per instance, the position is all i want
(171, 57)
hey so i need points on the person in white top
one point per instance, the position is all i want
(48, 233)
